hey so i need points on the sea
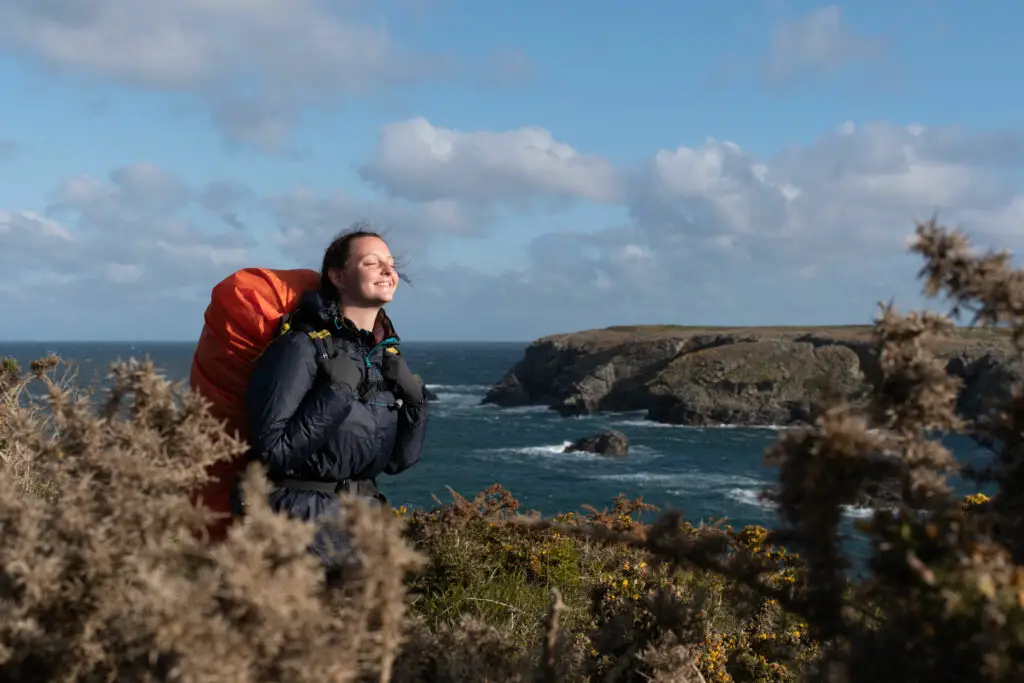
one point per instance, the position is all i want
(708, 473)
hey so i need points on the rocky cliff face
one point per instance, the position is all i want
(752, 376)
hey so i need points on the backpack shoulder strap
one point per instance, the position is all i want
(323, 342)
(322, 339)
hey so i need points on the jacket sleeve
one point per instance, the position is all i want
(412, 432)
(290, 417)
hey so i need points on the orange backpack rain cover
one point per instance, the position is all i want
(242, 318)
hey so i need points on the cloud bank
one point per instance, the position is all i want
(700, 232)
(711, 229)
(255, 65)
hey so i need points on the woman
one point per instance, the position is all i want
(331, 402)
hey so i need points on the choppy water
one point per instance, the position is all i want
(705, 472)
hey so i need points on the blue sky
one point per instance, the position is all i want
(543, 167)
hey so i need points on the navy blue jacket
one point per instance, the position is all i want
(305, 427)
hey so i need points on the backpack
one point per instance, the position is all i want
(247, 310)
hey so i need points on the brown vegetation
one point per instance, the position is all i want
(617, 334)
(101, 577)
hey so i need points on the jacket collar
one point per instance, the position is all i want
(323, 313)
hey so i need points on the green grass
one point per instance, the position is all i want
(619, 333)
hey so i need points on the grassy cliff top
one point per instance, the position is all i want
(618, 334)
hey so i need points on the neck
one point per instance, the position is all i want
(362, 317)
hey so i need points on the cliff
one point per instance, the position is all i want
(743, 376)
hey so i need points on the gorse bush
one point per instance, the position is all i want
(104, 574)
(621, 609)
(106, 579)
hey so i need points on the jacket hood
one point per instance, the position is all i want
(323, 313)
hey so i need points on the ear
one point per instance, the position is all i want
(336, 279)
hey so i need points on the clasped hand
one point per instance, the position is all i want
(407, 386)
(344, 371)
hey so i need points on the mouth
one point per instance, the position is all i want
(386, 284)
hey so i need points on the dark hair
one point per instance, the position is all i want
(337, 253)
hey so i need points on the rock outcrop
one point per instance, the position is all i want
(610, 442)
(879, 495)
(741, 376)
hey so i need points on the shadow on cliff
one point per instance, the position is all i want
(741, 376)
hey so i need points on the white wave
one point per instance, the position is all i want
(543, 451)
(462, 397)
(518, 410)
(462, 400)
(645, 423)
(665, 425)
(458, 395)
(637, 453)
(752, 497)
(553, 449)
(767, 428)
(684, 483)
(644, 477)
(459, 388)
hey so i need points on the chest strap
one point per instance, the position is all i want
(359, 487)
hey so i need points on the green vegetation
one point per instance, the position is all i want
(486, 568)
(965, 330)
(733, 329)
(104, 576)
(954, 337)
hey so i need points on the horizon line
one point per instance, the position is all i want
(608, 328)
(194, 341)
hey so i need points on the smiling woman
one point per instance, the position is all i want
(331, 402)
(360, 265)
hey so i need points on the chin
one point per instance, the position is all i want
(376, 296)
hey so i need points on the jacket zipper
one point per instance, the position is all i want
(389, 340)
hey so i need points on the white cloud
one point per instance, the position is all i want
(815, 233)
(256, 62)
(859, 186)
(308, 221)
(29, 225)
(225, 258)
(635, 252)
(1004, 224)
(123, 273)
(817, 44)
(192, 44)
(32, 243)
(119, 241)
(422, 162)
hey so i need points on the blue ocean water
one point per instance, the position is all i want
(704, 472)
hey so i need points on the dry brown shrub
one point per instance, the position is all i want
(105, 580)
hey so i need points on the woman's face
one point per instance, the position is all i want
(369, 277)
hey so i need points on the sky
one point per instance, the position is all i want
(539, 167)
